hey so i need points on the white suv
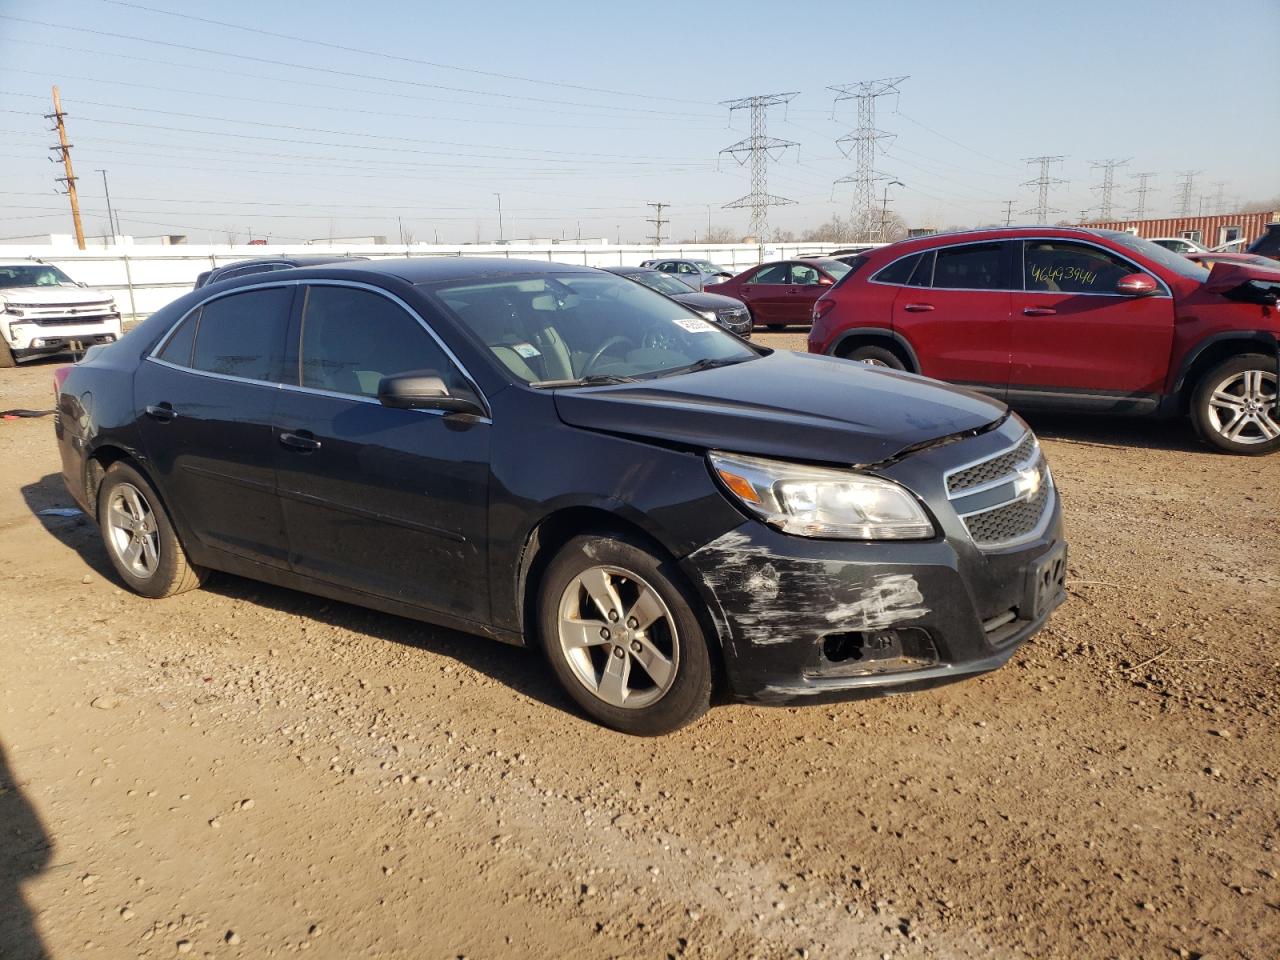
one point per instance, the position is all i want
(43, 311)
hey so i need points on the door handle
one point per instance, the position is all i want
(918, 308)
(163, 412)
(302, 441)
(1038, 311)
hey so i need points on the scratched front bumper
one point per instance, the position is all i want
(776, 598)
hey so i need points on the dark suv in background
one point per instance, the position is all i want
(1267, 245)
(1070, 319)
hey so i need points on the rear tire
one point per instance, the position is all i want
(6, 356)
(876, 357)
(636, 659)
(1233, 407)
(139, 537)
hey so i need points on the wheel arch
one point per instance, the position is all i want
(99, 461)
(850, 340)
(1213, 351)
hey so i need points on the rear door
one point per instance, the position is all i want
(766, 292)
(1073, 333)
(954, 311)
(384, 501)
(209, 395)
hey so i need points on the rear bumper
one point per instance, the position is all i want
(820, 620)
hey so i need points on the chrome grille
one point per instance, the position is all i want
(993, 469)
(1004, 499)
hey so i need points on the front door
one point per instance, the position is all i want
(1073, 332)
(766, 292)
(955, 314)
(209, 395)
(807, 285)
(384, 501)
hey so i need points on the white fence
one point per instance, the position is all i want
(143, 278)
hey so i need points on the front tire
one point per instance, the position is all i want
(1234, 405)
(6, 356)
(618, 627)
(139, 537)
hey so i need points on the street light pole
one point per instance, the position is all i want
(500, 234)
(111, 221)
(884, 207)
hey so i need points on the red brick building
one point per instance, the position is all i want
(1207, 231)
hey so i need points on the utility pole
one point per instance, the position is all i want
(1108, 184)
(862, 144)
(500, 234)
(1084, 216)
(1043, 182)
(758, 148)
(1141, 190)
(884, 207)
(657, 221)
(111, 221)
(1183, 209)
(1008, 212)
(64, 150)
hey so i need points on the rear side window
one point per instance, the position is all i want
(774, 273)
(178, 349)
(899, 271)
(242, 335)
(352, 338)
(974, 266)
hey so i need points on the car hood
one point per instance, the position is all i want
(789, 405)
(1225, 277)
(51, 295)
(707, 301)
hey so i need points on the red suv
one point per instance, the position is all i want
(1070, 319)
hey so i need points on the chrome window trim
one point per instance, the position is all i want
(1166, 293)
(153, 355)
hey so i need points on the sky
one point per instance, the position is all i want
(337, 119)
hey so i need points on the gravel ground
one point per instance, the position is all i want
(245, 771)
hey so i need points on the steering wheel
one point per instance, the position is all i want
(600, 352)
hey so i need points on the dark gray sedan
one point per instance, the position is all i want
(729, 313)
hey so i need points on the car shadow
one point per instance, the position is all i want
(27, 851)
(521, 669)
(1149, 433)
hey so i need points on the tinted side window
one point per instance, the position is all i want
(775, 273)
(1061, 267)
(242, 335)
(899, 271)
(352, 338)
(971, 267)
(922, 275)
(178, 349)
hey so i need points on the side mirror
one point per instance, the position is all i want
(825, 282)
(1137, 285)
(424, 390)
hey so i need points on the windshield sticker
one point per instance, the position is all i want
(526, 350)
(695, 326)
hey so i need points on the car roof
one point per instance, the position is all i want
(625, 271)
(979, 234)
(307, 260)
(436, 269)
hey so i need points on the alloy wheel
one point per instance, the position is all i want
(618, 637)
(1242, 408)
(134, 534)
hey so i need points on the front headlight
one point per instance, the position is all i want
(708, 315)
(821, 501)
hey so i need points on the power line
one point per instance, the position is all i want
(758, 148)
(1142, 189)
(943, 136)
(863, 142)
(1105, 188)
(1043, 182)
(334, 72)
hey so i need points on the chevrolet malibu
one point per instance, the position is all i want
(554, 456)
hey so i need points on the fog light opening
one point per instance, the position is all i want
(839, 647)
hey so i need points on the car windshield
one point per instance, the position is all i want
(706, 266)
(579, 328)
(33, 275)
(661, 282)
(1166, 258)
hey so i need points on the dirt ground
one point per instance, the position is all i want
(244, 771)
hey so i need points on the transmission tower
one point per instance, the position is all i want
(759, 148)
(1105, 188)
(1042, 209)
(861, 144)
(1142, 189)
(657, 220)
(1185, 188)
(1220, 197)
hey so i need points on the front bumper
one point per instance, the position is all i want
(803, 620)
(32, 339)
